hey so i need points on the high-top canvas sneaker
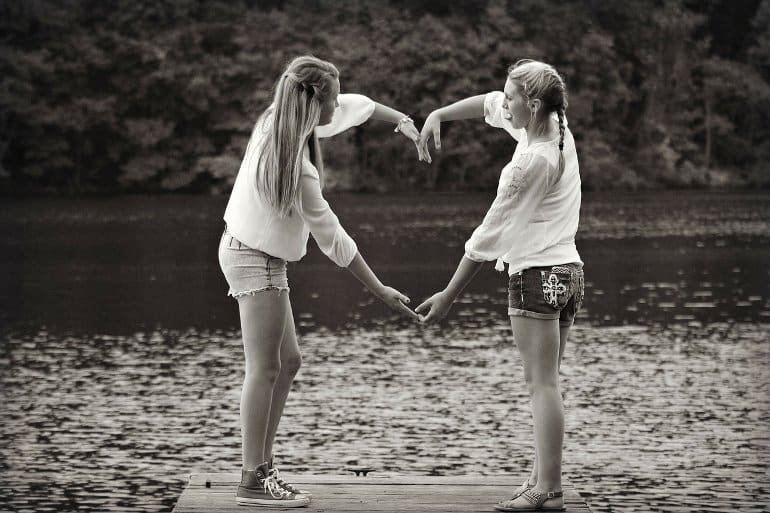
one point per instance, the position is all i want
(259, 488)
(283, 484)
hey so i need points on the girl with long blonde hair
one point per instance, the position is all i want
(275, 204)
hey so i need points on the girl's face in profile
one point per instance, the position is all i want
(329, 104)
(515, 105)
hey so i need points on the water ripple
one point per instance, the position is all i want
(658, 419)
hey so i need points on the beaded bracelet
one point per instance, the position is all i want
(405, 119)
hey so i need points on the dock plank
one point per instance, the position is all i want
(375, 493)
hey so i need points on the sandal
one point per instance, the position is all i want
(526, 485)
(535, 499)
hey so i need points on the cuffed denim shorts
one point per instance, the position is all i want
(248, 270)
(552, 292)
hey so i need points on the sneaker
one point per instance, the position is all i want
(287, 486)
(259, 488)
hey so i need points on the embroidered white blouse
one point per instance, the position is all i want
(534, 217)
(255, 223)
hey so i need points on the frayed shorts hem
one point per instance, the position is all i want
(517, 312)
(252, 292)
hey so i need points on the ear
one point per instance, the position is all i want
(534, 105)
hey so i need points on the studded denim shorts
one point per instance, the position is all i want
(552, 292)
(249, 271)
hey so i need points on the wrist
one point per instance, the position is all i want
(378, 290)
(404, 120)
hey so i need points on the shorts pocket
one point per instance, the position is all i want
(556, 286)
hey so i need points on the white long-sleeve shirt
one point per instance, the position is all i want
(255, 223)
(534, 217)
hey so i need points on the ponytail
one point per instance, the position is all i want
(296, 111)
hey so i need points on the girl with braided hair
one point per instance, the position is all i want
(531, 226)
(275, 204)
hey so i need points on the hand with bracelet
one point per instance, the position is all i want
(404, 125)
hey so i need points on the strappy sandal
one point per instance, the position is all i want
(526, 485)
(535, 499)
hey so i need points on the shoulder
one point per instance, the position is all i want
(494, 115)
(532, 159)
(493, 99)
(353, 109)
(355, 101)
(532, 167)
(309, 170)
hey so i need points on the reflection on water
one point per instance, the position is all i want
(123, 264)
(120, 360)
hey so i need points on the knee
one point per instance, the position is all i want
(290, 365)
(538, 382)
(264, 372)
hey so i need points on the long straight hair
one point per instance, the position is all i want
(296, 110)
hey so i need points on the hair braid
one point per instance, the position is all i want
(560, 114)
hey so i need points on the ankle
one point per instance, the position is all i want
(254, 476)
(541, 488)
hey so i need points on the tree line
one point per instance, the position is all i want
(161, 96)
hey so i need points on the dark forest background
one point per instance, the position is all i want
(109, 96)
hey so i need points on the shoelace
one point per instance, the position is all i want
(283, 484)
(275, 489)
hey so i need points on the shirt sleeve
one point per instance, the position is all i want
(511, 210)
(323, 224)
(353, 110)
(494, 115)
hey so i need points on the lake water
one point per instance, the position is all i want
(120, 362)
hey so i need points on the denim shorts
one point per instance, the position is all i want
(551, 292)
(249, 271)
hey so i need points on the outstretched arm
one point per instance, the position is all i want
(468, 108)
(388, 295)
(335, 242)
(438, 305)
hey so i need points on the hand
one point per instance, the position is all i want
(397, 301)
(410, 131)
(431, 128)
(437, 306)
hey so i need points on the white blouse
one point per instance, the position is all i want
(534, 217)
(255, 223)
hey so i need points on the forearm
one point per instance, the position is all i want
(385, 113)
(463, 275)
(469, 108)
(360, 269)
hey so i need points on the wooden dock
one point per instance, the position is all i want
(215, 493)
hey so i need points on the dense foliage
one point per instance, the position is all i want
(146, 95)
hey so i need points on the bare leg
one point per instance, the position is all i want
(539, 342)
(290, 363)
(263, 321)
(563, 335)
